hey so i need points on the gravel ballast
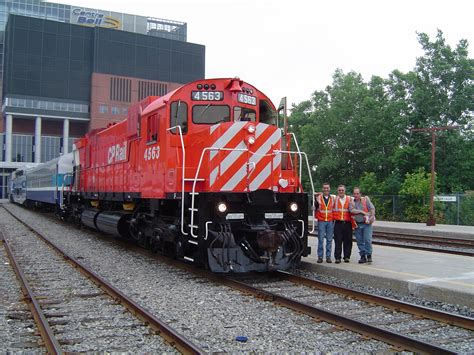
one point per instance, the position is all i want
(81, 316)
(210, 315)
(18, 331)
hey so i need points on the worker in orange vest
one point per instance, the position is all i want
(342, 225)
(324, 206)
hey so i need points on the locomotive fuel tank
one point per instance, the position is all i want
(109, 222)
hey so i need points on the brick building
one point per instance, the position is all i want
(66, 70)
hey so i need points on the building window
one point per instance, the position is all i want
(115, 110)
(103, 109)
(22, 148)
(124, 111)
(50, 148)
(47, 105)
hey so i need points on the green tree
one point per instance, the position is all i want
(416, 189)
(355, 130)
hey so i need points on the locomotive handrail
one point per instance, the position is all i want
(183, 150)
(310, 177)
(298, 149)
(193, 193)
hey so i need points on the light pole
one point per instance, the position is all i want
(431, 220)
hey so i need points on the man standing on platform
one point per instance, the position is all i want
(364, 215)
(324, 205)
(342, 225)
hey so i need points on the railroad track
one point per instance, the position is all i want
(65, 302)
(328, 303)
(458, 246)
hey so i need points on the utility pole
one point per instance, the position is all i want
(431, 220)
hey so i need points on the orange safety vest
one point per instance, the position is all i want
(341, 212)
(324, 212)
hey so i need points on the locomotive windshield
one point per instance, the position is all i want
(210, 114)
(244, 114)
(267, 114)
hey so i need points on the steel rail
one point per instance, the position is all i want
(51, 343)
(419, 311)
(399, 341)
(175, 339)
(389, 243)
(422, 238)
(415, 243)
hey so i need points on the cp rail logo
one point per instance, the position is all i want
(93, 18)
(117, 153)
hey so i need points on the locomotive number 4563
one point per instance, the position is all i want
(152, 153)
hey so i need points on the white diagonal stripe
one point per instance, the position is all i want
(260, 129)
(227, 136)
(261, 177)
(213, 176)
(232, 157)
(214, 127)
(258, 155)
(234, 180)
(276, 161)
(254, 158)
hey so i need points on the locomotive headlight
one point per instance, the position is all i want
(293, 207)
(222, 207)
(251, 129)
(250, 140)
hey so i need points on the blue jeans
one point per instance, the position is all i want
(325, 230)
(363, 235)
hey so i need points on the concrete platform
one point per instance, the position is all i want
(441, 230)
(434, 276)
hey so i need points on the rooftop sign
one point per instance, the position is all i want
(88, 17)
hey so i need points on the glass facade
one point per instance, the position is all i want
(22, 148)
(4, 181)
(50, 148)
(79, 15)
(46, 105)
(48, 52)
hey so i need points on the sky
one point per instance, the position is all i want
(292, 48)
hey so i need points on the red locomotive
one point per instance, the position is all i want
(206, 173)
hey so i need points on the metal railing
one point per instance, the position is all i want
(196, 178)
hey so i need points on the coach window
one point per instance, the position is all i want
(244, 114)
(152, 129)
(210, 114)
(179, 116)
(267, 113)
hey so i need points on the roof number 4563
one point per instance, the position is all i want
(152, 153)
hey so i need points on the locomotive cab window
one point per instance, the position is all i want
(210, 114)
(179, 116)
(244, 114)
(266, 112)
(152, 129)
